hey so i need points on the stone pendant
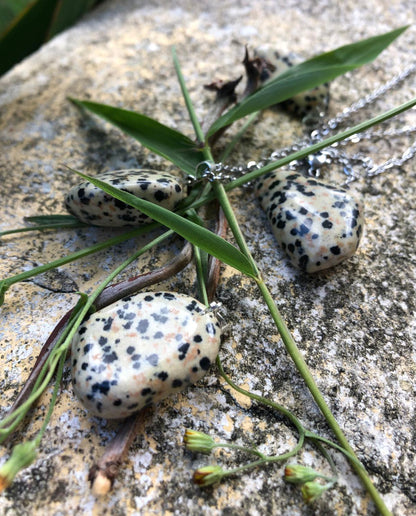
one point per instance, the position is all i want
(304, 104)
(316, 224)
(140, 350)
(92, 205)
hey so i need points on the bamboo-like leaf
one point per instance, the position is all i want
(68, 12)
(197, 235)
(28, 24)
(25, 33)
(157, 137)
(307, 75)
(9, 10)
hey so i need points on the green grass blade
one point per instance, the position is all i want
(43, 222)
(67, 12)
(23, 276)
(159, 138)
(44, 227)
(46, 220)
(197, 235)
(307, 75)
(187, 98)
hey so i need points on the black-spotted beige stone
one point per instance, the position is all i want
(140, 350)
(316, 224)
(303, 104)
(92, 205)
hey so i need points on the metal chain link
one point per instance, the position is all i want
(368, 100)
(333, 154)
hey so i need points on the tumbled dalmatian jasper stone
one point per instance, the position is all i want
(140, 350)
(93, 206)
(303, 104)
(318, 225)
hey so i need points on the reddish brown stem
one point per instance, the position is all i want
(40, 361)
(103, 473)
(128, 287)
(214, 263)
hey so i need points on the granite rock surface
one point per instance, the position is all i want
(355, 324)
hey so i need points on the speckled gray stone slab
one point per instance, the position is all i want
(355, 324)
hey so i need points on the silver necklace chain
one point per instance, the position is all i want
(333, 154)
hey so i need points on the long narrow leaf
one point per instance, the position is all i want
(307, 75)
(47, 222)
(51, 219)
(157, 137)
(25, 33)
(67, 12)
(197, 235)
(34, 22)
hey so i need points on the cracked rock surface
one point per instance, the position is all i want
(355, 324)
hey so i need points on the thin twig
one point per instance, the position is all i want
(103, 473)
(125, 288)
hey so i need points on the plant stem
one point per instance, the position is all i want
(236, 447)
(287, 339)
(48, 416)
(263, 460)
(8, 282)
(230, 146)
(295, 353)
(65, 340)
(292, 418)
(233, 223)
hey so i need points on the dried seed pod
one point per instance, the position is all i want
(318, 225)
(140, 350)
(92, 205)
(309, 102)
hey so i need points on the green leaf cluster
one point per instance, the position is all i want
(187, 154)
(307, 75)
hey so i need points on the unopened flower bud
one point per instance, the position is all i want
(312, 490)
(208, 475)
(198, 441)
(297, 474)
(23, 455)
